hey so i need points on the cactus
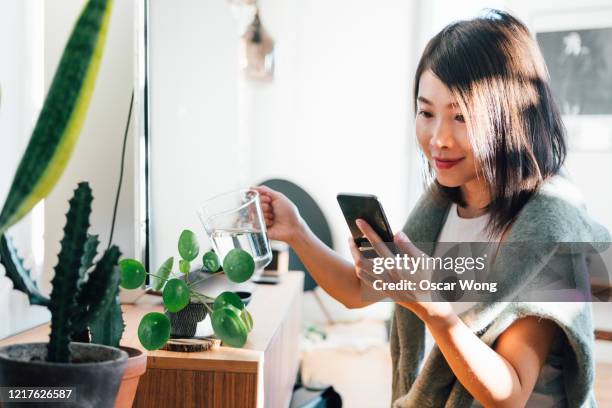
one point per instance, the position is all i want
(91, 250)
(63, 301)
(100, 290)
(81, 298)
(84, 298)
(104, 319)
(108, 328)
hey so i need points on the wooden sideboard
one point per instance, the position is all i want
(261, 374)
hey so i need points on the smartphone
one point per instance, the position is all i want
(368, 208)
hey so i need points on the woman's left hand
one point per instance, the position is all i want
(414, 299)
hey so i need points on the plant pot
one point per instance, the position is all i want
(95, 372)
(184, 323)
(245, 297)
(134, 369)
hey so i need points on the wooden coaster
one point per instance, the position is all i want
(603, 335)
(191, 345)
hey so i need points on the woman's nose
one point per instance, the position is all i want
(442, 136)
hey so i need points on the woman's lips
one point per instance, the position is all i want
(444, 164)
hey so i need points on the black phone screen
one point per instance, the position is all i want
(368, 208)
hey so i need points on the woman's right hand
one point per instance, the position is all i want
(283, 219)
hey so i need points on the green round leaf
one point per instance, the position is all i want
(229, 327)
(184, 266)
(228, 298)
(161, 276)
(238, 265)
(154, 330)
(133, 273)
(176, 295)
(247, 319)
(188, 245)
(211, 262)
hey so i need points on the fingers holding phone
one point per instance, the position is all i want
(367, 208)
(381, 247)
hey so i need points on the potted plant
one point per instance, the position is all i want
(94, 315)
(74, 312)
(83, 291)
(184, 306)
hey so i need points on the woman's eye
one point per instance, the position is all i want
(425, 114)
(459, 118)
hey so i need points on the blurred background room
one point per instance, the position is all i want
(232, 93)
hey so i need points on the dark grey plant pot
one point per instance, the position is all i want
(95, 373)
(245, 297)
(184, 323)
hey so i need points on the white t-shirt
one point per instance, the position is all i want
(549, 390)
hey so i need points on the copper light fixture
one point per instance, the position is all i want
(257, 53)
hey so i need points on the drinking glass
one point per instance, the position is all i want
(235, 220)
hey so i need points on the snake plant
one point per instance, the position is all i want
(62, 116)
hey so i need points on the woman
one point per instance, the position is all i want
(493, 137)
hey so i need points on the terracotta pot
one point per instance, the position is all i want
(135, 368)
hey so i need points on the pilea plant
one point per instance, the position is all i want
(230, 320)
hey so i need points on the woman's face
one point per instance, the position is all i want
(442, 133)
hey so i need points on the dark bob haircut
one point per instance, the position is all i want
(493, 67)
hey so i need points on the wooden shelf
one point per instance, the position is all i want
(261, 374)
